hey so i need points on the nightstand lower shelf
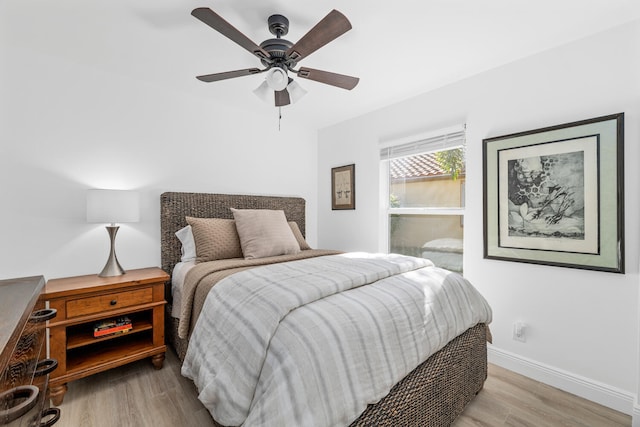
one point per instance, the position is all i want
(112, 353)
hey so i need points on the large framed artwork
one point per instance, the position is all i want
(343, 187)
(555, 196)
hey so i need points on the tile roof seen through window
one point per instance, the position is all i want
(417, 166)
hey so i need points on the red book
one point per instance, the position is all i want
(107, 331)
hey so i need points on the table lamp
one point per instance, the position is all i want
(112, 206)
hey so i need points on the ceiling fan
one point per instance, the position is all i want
(280, 56)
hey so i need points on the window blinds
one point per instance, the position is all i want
(430, 144)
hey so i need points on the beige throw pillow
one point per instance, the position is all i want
(215, 238)
(298, 235)
(264, 233)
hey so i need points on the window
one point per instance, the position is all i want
(423, 194)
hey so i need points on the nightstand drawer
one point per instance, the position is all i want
(114, 301)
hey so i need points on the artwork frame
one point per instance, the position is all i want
(343, 187)
(555, 195)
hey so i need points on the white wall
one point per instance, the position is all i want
(583, 325)
(66, 127)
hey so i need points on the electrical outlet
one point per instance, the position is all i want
(519, 332)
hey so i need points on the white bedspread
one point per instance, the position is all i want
(305, 343)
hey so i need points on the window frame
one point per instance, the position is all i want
(386, 210)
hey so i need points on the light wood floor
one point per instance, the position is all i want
(510, 399)
(137, 395)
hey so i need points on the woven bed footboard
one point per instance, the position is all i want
(437, 391)
(432, 395)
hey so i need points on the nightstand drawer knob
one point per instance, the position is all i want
(113, 302)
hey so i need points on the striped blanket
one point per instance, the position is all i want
(313, 342)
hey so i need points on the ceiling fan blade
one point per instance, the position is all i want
(328, 29)
(282, 98)
(216, 22)
(228, 75)
(326, 77)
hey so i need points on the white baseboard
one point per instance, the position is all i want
(589, 389)
(635, 420)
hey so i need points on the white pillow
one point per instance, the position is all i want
(264, 233)
(185, 235)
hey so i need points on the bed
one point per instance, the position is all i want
(432, 394)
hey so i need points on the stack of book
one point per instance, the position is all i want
(120, 325)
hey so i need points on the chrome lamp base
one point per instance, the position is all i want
(112, 267)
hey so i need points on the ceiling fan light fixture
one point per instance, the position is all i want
(279, 56)
(277, 78)
(264, 92)
(295, 91)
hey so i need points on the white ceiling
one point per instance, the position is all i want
(398, 49)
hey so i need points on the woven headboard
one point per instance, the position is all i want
(174, 207)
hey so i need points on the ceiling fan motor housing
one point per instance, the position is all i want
(277, 48)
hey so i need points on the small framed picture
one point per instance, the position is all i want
(555, 196)
(343, 187)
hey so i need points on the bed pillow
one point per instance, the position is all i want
(188, 249)
(215, 238)
(298, 235)
(264, 233)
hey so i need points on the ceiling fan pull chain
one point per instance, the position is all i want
(279, 117)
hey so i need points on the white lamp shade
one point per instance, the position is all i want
(295, 91)
(277, 78)
(265, 93)
(113, 206)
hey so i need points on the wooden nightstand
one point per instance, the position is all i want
(84, 300)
